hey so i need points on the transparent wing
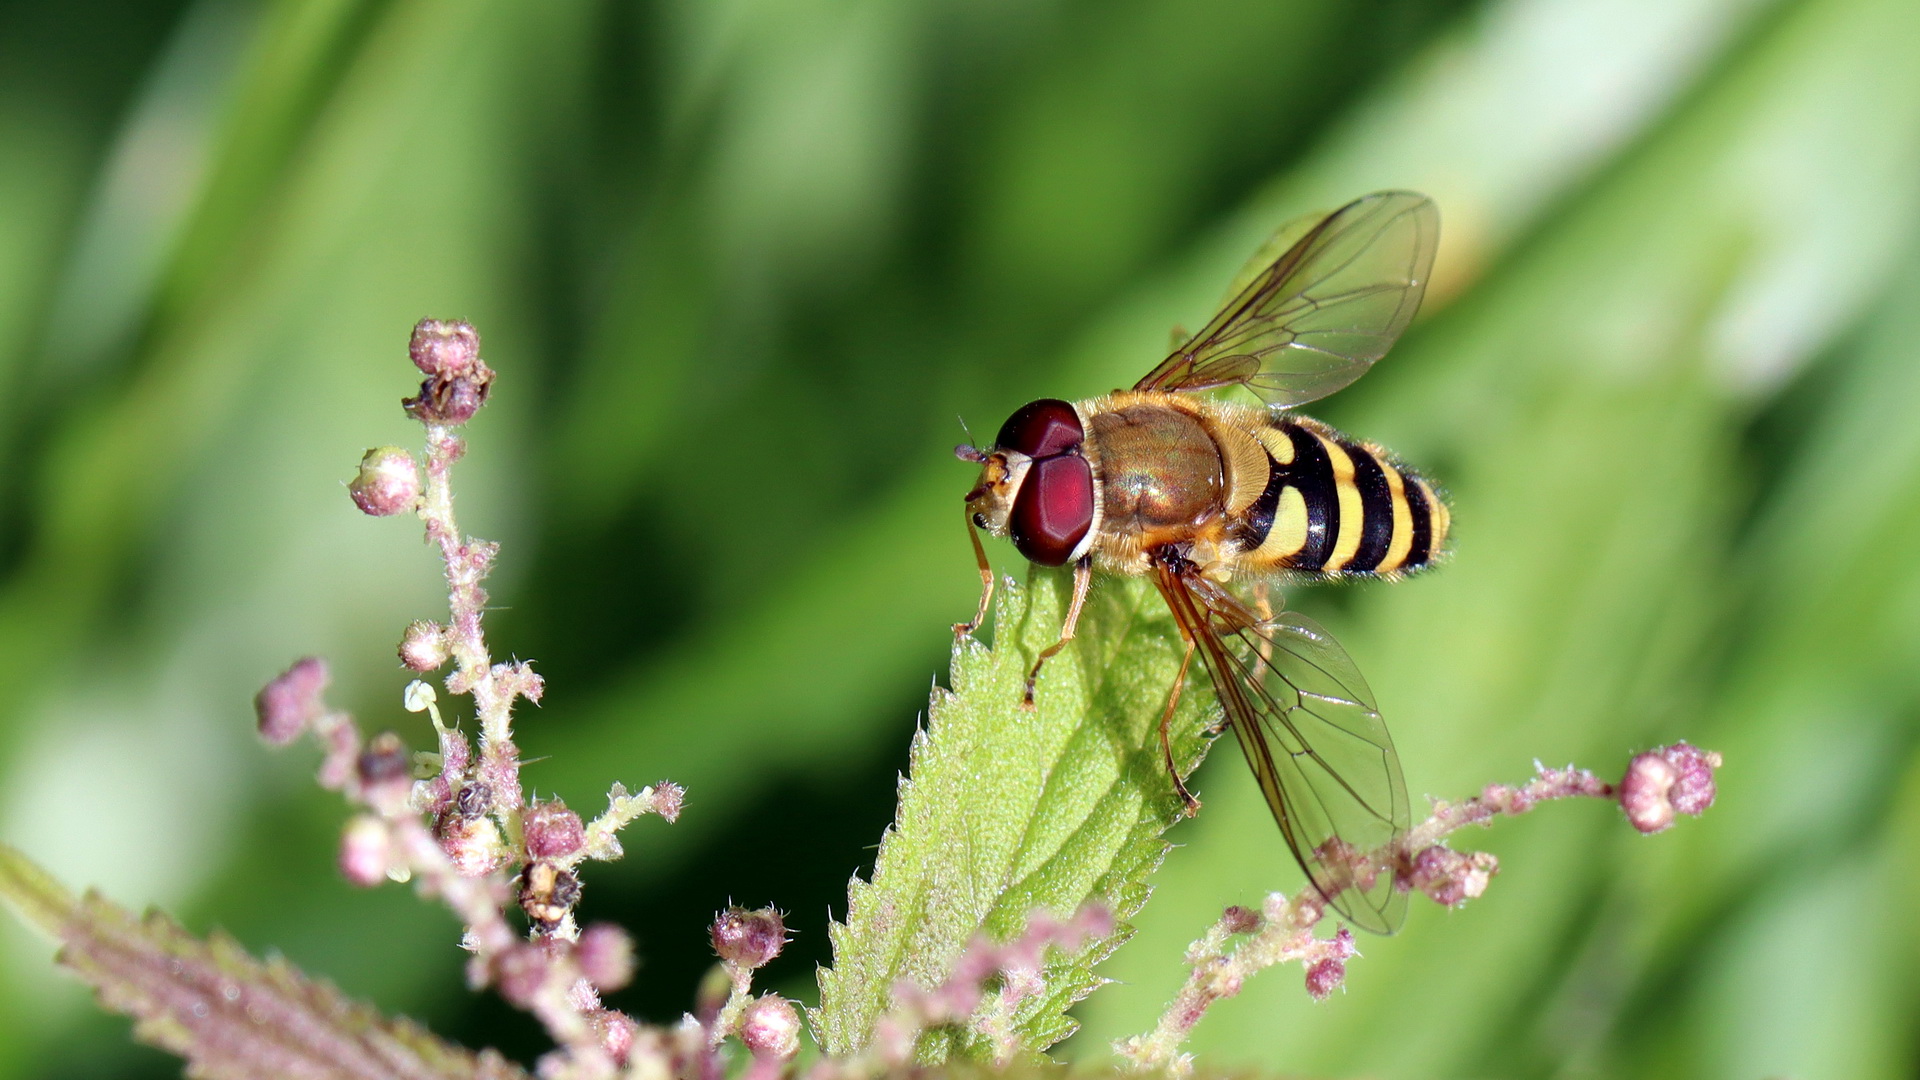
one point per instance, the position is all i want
(1276, 245)
(1315, 740)
(1318, 316)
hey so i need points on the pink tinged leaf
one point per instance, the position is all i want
(227, 1014)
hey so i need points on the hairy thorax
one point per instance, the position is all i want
(1161, 478)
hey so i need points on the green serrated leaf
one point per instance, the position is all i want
(1008, 811)
(230, 1016)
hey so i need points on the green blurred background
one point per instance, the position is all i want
(741, 263)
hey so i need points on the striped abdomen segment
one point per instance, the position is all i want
(1334, 507)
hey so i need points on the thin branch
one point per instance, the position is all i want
(1657, 784)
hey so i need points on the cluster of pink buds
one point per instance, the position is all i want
(556, 841)
(1329, 972)
(1448, 877)
(969, 995)
(466, 833)
(769, 1025)
(1671, 780)
(457, 379)
(561, 980)
(1675, 779)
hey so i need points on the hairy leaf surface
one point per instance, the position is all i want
(226, 1013)
(1010, 811)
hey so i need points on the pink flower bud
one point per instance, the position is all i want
(463, 399)
(444, 347)
(452, 402)
(521, 972)
(749, 938)
(424, 647)
(771, 1027)
(1660, 783)
(385, 772)
(1693, 790)
(388, 482)
(519, 680)
(1643, 792)
(605, 954)
(1219, 978)
(365, 851)
(1324, 977)
(1306, 909)
(472, 844)
(1451, 877)
(554, 832)
(457, 379)
(1240, 920)
(668, 799)
(1337, 853)
(617, 1031)
(290, 702)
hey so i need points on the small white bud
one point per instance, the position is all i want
(418, 696)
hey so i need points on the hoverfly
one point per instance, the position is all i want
(1197, 493)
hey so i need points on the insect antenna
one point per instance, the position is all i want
(967, 451)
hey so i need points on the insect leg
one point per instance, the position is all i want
(966, 629)
(1263, 601)
(1189, 804)
(1082, 577)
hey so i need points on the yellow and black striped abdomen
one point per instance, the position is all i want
(1334, 508)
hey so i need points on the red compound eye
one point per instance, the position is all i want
(1041, 429)
(1054, 509)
